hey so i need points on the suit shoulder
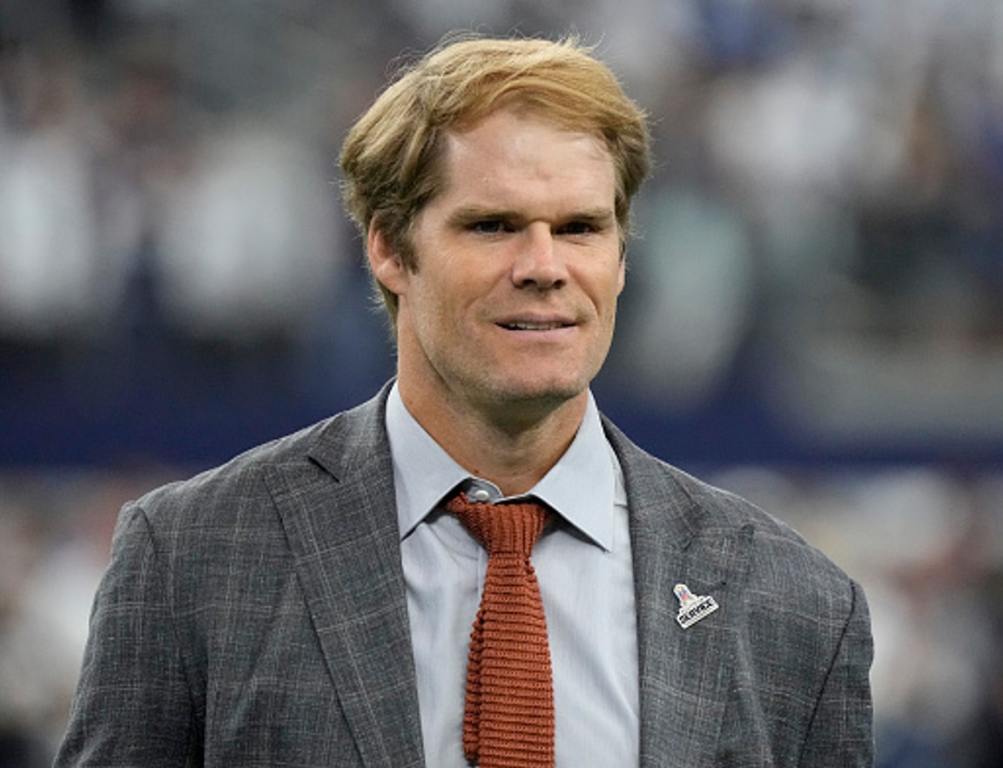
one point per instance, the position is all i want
(240, 482)
(777, 549)
(330, 442)
(213, 491)
(708, 511)
(728, 509)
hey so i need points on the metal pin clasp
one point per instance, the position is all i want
(693, 608)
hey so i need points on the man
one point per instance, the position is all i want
(310, 602)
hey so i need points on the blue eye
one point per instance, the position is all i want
(489, 226)
(577, 228)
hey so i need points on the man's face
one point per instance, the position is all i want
(518, 268)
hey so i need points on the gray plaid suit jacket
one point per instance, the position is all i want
(256, 616)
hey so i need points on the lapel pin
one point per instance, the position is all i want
(692, 607)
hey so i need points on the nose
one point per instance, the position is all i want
(538, 262)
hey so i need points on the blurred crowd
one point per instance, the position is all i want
(818, 266)
(823, 222)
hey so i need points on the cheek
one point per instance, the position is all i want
(611, 309)
(606, 288)
(442, 309)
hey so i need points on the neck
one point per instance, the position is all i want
(511, 444)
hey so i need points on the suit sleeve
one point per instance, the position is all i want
(840, 734)
(132, 706)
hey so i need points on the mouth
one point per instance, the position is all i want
(538, 323)
(535, 325)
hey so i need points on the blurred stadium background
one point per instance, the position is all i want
(814, 316)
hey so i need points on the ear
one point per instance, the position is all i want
(621, 278)
(385, 263)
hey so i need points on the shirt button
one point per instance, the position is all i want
(480, 494)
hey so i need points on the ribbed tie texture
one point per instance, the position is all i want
(508, 720)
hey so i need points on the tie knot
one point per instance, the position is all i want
(506, 528)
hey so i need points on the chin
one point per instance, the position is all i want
(545, 395)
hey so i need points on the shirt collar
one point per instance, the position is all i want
(582, 486)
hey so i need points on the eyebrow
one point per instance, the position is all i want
(470, 213)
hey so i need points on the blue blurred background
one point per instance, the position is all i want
(813, 318)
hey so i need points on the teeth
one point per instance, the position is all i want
(521, 326)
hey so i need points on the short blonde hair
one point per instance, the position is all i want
(390, 158)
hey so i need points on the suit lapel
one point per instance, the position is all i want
(339, 515)
(684, 674)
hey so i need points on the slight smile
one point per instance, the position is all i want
(535, 322)
(532, 325)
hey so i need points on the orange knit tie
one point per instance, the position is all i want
(508, 721)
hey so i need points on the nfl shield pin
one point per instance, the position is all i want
(692, 607)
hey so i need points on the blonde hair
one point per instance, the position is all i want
(390, 158)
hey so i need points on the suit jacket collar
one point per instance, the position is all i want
(339, 515)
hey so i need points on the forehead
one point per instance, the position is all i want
(515, 156)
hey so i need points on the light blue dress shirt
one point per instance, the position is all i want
(583, 565)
